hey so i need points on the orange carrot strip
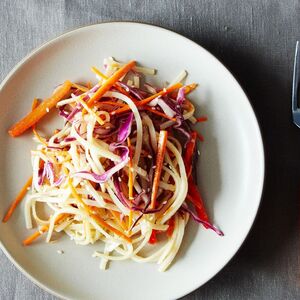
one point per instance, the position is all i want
(18, 199)
(189, 88)
(156, 112)
(147, 100)
(116, 215)
(117, 86)
(110, 103)
(80, 87)
(35, 103)
(99, 73)
(110, 82)
(35, 235)
(34, 116)
(42, 230)
(90, 111)
(96, 217)
(161, 149)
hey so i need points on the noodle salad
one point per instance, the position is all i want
(121, 170)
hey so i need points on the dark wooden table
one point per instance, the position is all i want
(255, 40)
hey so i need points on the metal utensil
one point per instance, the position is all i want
(296, 81)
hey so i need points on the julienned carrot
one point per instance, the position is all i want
(42, 230)
(110, 103)
(99, 73)
(189, 88)
(18, 199)
(96, 217)
(117, 215)
(80, 87)
(110, 82)
(116, 85)
(159, 113)
(147, 100)
(90, 111)
(161, 149)
(34, 116)
(35, 103)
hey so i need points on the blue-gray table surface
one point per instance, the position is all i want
(255, 40)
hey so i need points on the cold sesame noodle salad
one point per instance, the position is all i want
(121, 170)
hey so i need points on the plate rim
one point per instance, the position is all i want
(261, 185)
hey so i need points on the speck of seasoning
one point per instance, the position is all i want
(107, 127)
(198, 152)
(165, 164)
(47, 109)
(60, 251)
(149, 156)
(119, 178)
(148, 190)
(153, 167)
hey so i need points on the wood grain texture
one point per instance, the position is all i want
(255, 40)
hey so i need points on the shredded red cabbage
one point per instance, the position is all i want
(124, 131)
(69, 139)
(75, 111)
(63, 113)
(109, 173)
(181, 96)
(206, 224)
(59, 180)
(48, 172)
(132, 206)
(134, 91)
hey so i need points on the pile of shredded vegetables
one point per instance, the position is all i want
(121, 170)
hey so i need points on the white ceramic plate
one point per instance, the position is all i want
(231, 166)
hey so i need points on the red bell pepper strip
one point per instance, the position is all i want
(153, 238)
(171, 227)
(193, 193)
(195, 197)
